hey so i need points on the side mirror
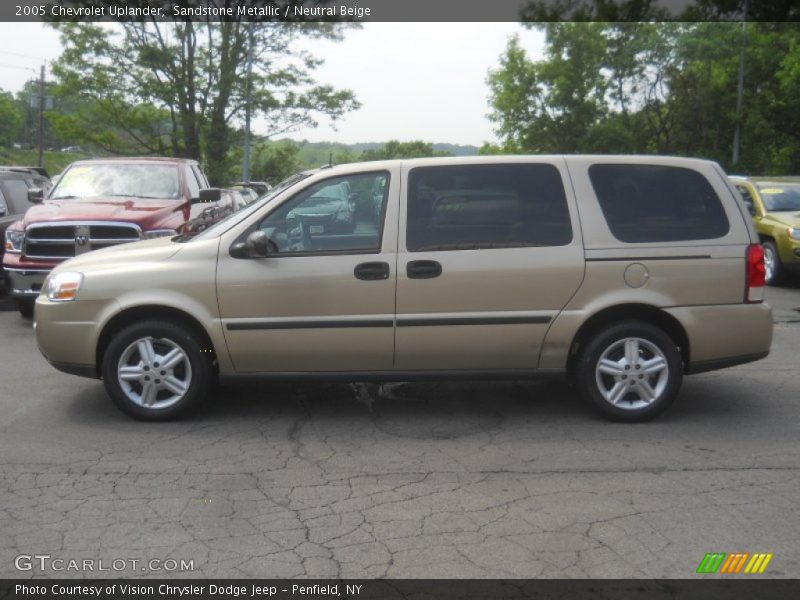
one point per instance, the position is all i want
(35, 195)
(257, 245)
(208, 195)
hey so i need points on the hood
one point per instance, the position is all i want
(122, 254)
(145, 213)
(791, 219)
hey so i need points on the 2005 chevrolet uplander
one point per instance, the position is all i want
(621, 272)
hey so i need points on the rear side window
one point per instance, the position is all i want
(656, 203)
(469, 207)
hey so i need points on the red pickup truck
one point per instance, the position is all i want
(100, 203)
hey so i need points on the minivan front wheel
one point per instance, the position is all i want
(773, 269)
(156, 371)
(631, 371)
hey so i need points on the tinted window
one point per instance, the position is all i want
(341, 214)
(18, 190)
(468, 207)
(655, 203)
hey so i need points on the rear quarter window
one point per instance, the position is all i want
(658, 203)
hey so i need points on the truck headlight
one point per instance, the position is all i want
(62, 287)
(794, 233)
(157, 233)
(14, 239)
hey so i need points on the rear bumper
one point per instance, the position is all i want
(25, 283)
(725, 335)
(723, 363)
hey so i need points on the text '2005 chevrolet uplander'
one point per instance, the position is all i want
(624, 273)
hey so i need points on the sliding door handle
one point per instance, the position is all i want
(423, 269)
(372, 271)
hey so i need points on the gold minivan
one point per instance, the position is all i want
(621, 272)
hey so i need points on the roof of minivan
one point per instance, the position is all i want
(506, 158)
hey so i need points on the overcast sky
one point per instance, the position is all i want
(414, 80)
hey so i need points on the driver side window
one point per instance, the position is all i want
(337, 215)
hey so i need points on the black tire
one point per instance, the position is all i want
(777, 275)
(630, 406)
(25, 307)
(198, 378)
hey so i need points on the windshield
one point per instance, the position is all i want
(780, 197)
(126, 180)
(235, 217)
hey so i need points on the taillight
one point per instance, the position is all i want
(754, 283)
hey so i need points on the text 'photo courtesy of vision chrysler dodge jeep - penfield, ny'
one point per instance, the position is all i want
(622, 273)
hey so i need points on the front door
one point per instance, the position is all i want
(491, 253)
(323, 301)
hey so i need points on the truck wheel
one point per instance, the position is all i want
(156, 370)
(25, 307)
(773, 269)
(630, 371)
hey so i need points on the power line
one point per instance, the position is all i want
(21, 55)
(17, 67)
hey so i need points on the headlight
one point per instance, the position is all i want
(157, 233)
(14, 239)
(794, 233)
(62, 287)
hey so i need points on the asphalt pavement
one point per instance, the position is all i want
(475, 479)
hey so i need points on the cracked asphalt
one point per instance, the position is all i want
(476, 479)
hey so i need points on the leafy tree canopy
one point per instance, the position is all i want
(180, 88)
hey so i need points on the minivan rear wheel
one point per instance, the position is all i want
(156, 370)
(630, 371)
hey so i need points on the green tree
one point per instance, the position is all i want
(195, 72)
(275, 161)
(10, 119)
(668, 88)
(396, 149)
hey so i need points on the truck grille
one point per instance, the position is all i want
(64, 240)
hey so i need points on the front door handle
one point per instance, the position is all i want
(371, 271)
(423, 269)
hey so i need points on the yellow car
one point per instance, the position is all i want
(774, 203)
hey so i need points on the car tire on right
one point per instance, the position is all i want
(773, 269)
(630, 371)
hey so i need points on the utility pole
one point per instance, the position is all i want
(41, 118)
(737, 132)
(247, 106)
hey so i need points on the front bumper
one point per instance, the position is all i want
(67, 333)
(25, 283)
(789, 253)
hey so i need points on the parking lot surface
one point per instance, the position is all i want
(468, 479)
